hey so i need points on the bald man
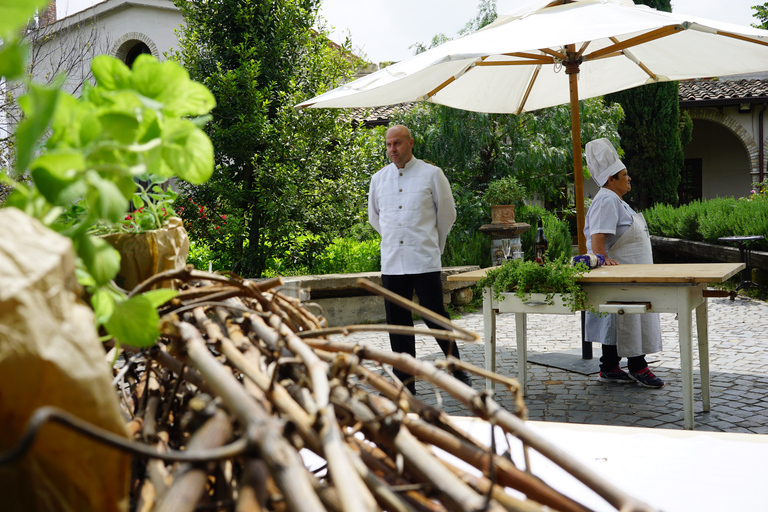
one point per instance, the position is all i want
(411, 205)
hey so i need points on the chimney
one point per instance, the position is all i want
(48, 16)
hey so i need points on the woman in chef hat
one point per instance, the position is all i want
(613, 229)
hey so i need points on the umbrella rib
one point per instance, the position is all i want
(557, 55)
(635, 41)
(631, 56)
(528, 90)
(524, 55)
(517, 62)
(582, 49)
(533, 59)
(742, 38)
(453, 78)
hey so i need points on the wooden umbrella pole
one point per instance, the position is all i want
(572, 70)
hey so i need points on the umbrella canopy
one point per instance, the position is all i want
(549, 53)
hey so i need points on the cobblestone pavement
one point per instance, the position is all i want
(738, 340)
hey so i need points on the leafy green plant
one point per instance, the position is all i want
(346, 255)
(708, 220)
(131, 122)
(524, 278)
(152, 206)
(467, 248)
(505, 190)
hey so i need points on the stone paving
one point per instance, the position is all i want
(738, 340)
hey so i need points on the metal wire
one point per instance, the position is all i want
(45, 414)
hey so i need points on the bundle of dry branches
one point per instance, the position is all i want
(244, 378)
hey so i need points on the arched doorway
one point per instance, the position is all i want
(130, 46)
(718, 158)
(135, 51)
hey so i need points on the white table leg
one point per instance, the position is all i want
(684, 324)
(489, 334)
(703, 339)
(521, 335)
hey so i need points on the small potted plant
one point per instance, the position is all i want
(502, 195)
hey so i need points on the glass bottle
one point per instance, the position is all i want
(540, 244)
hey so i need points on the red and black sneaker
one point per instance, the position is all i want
(646, 378)
(616, 376)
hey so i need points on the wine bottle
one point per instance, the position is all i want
(540, 244)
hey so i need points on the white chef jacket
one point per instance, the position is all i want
(608, 214)
(413, 210)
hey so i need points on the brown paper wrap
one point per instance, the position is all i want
(50, 354)
(145, 254)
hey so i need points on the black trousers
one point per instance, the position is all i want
(429, 290)
(610, 360)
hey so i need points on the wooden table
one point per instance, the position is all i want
(623, 289)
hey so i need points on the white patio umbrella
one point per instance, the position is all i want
(549, 53)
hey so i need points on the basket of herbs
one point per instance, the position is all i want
(551, 279)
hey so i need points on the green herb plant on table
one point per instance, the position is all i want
(524, 278)
(92, 150)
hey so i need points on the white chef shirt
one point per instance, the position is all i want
(608, 214)
(413, 210)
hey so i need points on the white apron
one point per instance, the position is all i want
(635, 334)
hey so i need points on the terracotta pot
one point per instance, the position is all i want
(503, 214)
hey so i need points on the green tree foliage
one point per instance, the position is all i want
(651, 140)
(761, 13)
(280, 175)
(476, 148)
(652, 136)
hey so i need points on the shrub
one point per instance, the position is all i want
(711, 219)
(556, 231)
(347, 255)
(467, 248)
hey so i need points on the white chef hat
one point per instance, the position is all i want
(602, 160)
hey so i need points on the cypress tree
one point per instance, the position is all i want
(650, 137)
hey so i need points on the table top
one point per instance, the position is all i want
(643, 273)
(737, 239)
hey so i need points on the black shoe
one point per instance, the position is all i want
(463, 377)
(646, 378)
(411, 386)
(617, 375)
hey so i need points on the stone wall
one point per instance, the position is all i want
(343, 302)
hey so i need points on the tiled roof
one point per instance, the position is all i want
(723, 91)
(377, 115)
